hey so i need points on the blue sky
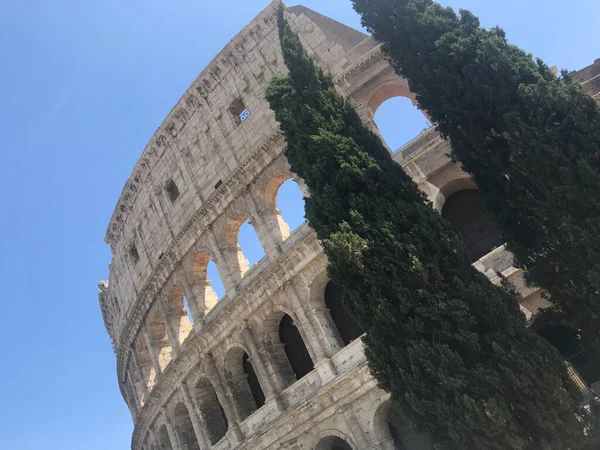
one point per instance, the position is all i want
(83, 87)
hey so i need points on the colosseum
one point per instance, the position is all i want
(275, 362)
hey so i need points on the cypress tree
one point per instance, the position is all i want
(453, 349)
(530, 139)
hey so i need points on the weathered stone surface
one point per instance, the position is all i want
(215, 162)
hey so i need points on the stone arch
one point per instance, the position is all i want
(467, 212)
(160, 342)
(178, 314)
(271, 196)
(236, 257)
(385, 90)
(145, 360)
(248, 394)
(392, 432)
(397, 97)
(338, 324)
(294, 347)
(202, 285)
(277, 350)
(334, 443)
(448, 182)
(211, 410)
(163, 437)
(184, 428)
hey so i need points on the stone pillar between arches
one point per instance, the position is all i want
(197, 424)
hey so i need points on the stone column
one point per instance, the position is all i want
(171, 431)
(193, 296)
(225, 398)
(132, 393)
(138, 366)
(272, 384)
(317, 345)
(153, 356)
(361, 439)
(326, 330)
(155, 439)
(321, 346)
(265, 230)
(173, 339)
(229, 279)
(203, 442)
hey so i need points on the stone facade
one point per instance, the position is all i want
(226, 378)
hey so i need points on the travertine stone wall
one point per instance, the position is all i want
(589, 77)
(202, 175)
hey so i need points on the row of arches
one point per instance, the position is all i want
(389, 429)
(389, 103)
(391, 110)
(278, 352)
(207, 276)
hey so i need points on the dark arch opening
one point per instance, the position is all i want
(165, 441)
(294, 347)
(467, 213)
(347, 325)
(569, 344)
(333, 443)
(253, 383)
(185, 429)
(212, 411)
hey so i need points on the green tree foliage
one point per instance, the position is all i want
(453, 349)
(530, 139)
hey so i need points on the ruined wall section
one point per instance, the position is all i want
(589, 77)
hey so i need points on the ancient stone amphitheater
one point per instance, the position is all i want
(275, 363)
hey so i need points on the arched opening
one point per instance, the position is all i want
(186, 305)
(207, 284)
(399, 121)
(138, 384)
(163, 437)
(147, 368)
(244, 241)
(284, 198)
(184, 428)
(160, 342)
(346, 325)
(211, 410)
(467, 213)
(178, 313)
(333, 443)
(253, 382)
(393, 432)
(215, 279)
(583, 366)
(250, 244)
(247, 392)
(294, 347)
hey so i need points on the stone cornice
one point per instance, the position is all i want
(198, 344)
(231, 188)
(368, 59)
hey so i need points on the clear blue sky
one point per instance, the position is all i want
(83, 87)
